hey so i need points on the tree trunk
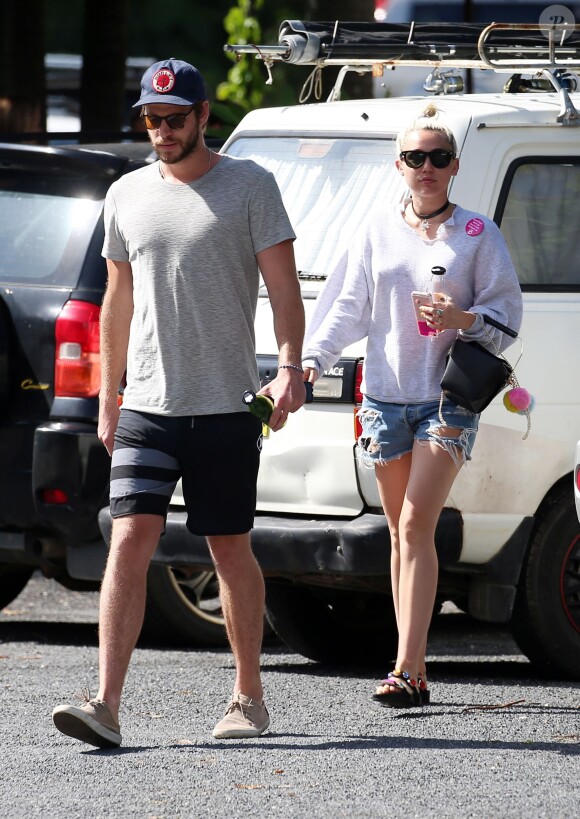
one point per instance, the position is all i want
(22, 85)
(104, 55)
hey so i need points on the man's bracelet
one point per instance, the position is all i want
(291, 367)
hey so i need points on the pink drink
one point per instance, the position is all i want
(425, 330)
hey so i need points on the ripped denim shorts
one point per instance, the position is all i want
(390, 430)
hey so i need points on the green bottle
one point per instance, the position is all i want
(259, 405)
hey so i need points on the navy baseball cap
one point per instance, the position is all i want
(171, 81)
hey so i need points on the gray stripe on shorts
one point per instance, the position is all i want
(126, 456)
(121, 487)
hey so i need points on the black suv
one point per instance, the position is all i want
(54, 472)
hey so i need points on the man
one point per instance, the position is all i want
(184, 239)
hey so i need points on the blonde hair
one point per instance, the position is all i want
(427, 121)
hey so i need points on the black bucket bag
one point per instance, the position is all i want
(473, 375)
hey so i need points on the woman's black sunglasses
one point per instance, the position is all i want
(174, 121)
(416, 159)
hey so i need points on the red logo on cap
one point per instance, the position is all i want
(163, 80)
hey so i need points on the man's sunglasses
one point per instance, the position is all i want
(174, 121)
(416, 159)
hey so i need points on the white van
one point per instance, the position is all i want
(508, 538)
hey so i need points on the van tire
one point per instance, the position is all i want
(546, 618)
(183, 608)
(12, 580)
(332, 625)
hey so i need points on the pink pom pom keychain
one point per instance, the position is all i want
(520, 401)
(517, 400)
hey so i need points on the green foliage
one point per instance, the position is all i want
(193, 30)
(245, 82)
(190, 30)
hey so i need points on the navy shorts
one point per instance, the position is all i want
(216, 456)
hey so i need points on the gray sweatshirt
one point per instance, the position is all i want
(369, 295)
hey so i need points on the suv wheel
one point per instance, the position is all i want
(333, 626)
(546, 618)
(12, 580)
(183, 606)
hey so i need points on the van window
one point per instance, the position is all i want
(328, 186)
(540, 222)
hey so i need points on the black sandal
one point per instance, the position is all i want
(407, 695)
(424, 689)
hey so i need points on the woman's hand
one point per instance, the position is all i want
(310, 374)
(444, 315)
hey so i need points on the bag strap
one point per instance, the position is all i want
(504, 329)
(507, 330)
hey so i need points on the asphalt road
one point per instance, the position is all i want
(498, 741)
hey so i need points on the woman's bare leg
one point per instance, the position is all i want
(392, 479)
(430, 478)
(433, 472)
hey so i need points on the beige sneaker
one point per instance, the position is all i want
(244, 718)
(92, 723)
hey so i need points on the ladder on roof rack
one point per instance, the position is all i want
(466, 45)
(548, 49)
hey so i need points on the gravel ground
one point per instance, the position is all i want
(497, 740)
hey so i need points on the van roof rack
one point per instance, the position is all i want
(551, 49)
(537, 45)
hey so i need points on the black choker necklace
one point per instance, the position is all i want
(425, 224)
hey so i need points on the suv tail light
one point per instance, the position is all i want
(358, 397)
(77, 361)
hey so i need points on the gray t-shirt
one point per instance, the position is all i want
(192, 250)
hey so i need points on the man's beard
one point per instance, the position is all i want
(187, 149)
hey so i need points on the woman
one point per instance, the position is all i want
(415, 441)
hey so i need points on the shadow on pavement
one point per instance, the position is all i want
(492, 652)
(37, 631)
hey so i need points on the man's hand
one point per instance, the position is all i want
(288, 394)
(108, 419)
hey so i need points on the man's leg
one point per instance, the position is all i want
(122, 606)
(242, 597)
(122, 602)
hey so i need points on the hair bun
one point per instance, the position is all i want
(428, 120)
(430, 110)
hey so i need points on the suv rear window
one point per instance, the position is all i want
(329, 186)
(45, 230)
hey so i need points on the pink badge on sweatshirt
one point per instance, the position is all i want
(474, 227)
